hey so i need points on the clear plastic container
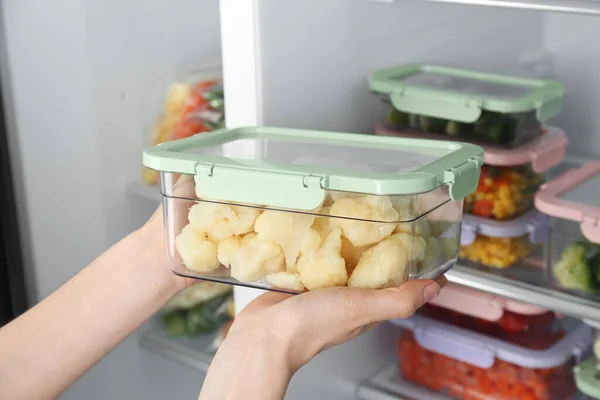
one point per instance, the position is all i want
(470, 365)
(492, 109)
(573, 251)
(194, 103)
(493, 315)
(501, 244)
(510, 178)
(296, 210)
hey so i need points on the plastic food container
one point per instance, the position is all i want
(298, 210)
(470, 365)
(501, 244)
(510, 178)
(573, 251)
(493, 315)
(588, 382)
(487, 108)
(193, 104)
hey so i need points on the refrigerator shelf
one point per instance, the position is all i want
(194, 352)
(527, 284)
(587, 7)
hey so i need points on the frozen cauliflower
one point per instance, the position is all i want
(288, 230)
(286, 281)
(369, 208)
(227, 249)
(325, 268)
(383, 265)
(222, 221)
(256, 258)
(321, 223)
(413, 246)
(418, 227)
(351, 254)
(196, 251)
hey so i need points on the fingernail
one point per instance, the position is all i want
(431, 291)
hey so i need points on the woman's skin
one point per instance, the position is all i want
(49, 347)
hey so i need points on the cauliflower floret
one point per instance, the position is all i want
(286, 281)
(325, 268)
(383, 265)
(197, 252)
(367, 208)
(418, 227)
(256, 258)
(413, 246)
(287, 229)
(227, 249)
(321, 223)
(351, 254)
(222, 221)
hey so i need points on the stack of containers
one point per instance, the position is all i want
(470, 365)
(505, 114)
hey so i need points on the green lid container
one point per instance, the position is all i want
(294, 169)
(462, 95)
(588, 379)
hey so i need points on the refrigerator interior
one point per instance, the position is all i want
(87, 78)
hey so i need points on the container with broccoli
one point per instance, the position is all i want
(579, 267)
(491, 109)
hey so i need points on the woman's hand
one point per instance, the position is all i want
(277, 334)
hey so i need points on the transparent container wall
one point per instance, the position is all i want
(502, 130)
(504, 193)
(498, 252)
(351, 240)
(527, 330)
(597, 349)
(502, 381)
(573, 262)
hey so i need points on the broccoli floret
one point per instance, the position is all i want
(433, 125)
(574, 271)
(174, 323)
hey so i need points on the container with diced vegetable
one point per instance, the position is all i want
(493, 315)
(573, 250)
(510, 178)
(467, 364)
(297, 210)
(491, 109)
(193, 104)
(501, 244)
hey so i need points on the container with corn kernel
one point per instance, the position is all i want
(501, 244)
(510, 178)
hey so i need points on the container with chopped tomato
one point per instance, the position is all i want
(510, 178)
(501, 244)
(489, 109)
(193, 104)
(573, 251)
(466, 364)
(493, 315)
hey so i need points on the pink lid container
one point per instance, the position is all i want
(574, 196)
(543, 152)
(480, 304)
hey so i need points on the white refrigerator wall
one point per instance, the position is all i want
(87, 79)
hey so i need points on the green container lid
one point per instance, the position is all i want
(588, 378)
(462, 95)
(295, 168)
